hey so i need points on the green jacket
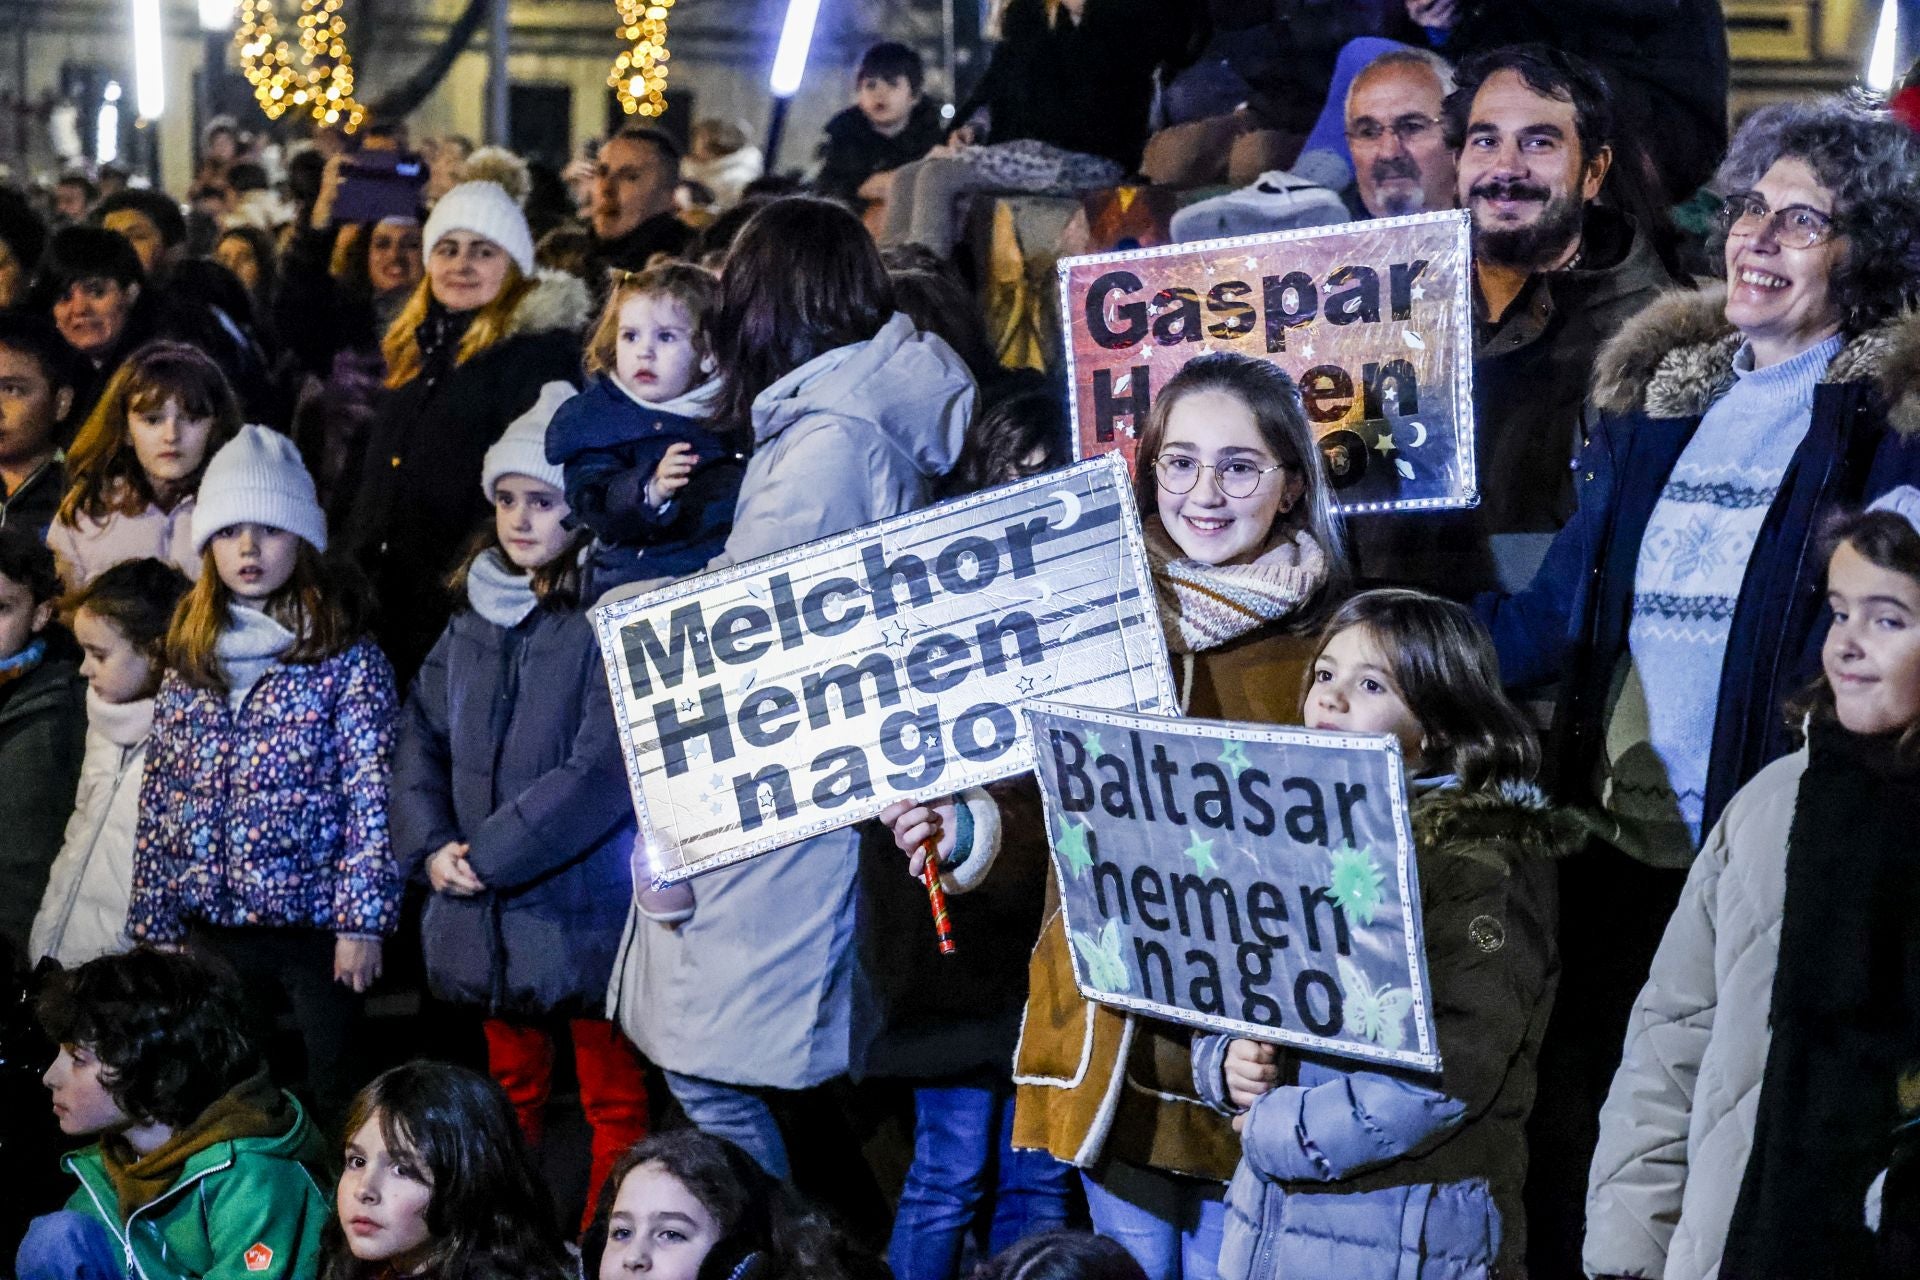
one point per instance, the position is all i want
(243, 1209)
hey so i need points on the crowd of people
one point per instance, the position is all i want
(292, 712)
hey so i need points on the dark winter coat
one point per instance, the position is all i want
(275, 814)
(1082, 86)
(419, 499)
(508, 744)
(1379, 1175)
(1531, 370)
(662, 233)
(43, 733)
(854, 150)
(32, 505)
(1652, 386)
(609, 444)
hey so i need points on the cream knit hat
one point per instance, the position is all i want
(485, 209)
(522, 449)
(258, 478)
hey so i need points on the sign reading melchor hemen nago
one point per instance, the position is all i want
(807, 690)
(1239, 878)
(1374, 321)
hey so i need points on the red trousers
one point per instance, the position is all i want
(613, 1085)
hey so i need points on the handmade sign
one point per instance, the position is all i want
(1374, 321)
(807, 690)
(1257, 881)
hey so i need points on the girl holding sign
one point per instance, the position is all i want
(1247, 551)
(1787, 974)
(1348, 1170)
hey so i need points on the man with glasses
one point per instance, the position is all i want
(1401, 161)
(1555, 275)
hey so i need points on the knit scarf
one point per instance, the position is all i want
(251, 1109)
(1845, 1017)
(21, 663)
(248, 646)
(1204, 606)
(500, 594)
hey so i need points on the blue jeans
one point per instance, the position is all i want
(736, 1113)
(963, 1162)
(1171, 1225)
(68, 1246)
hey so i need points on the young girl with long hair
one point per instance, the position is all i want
(1351, 1171)
(510, 791)
(1759, 1094)
(1247, 555)
(120, 620)
(263, 811)
(854, 415)
(136, 464)
(436, 1183)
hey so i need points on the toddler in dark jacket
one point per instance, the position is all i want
(645, 469)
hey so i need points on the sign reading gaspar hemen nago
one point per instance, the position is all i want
(806, 690)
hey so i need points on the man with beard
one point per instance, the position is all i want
(632, 213)
(1395, 129)
(1555, 275)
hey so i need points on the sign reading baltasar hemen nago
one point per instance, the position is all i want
(807, 690)
(1373, 320)
(1239, 878)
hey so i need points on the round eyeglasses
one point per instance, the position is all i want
(1409, 129)
(1797, 226)
(1237, 477)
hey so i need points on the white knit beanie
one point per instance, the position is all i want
(485, 209)
(258, 478)
(522, 449)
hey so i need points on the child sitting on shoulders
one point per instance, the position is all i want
(645, 468)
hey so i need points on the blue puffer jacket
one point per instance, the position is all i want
(275, 814)
(1372, 1174)
(508, 743)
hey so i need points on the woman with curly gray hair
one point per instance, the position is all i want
(1681, 606)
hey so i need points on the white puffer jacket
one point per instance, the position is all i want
(1678, 1125)
(84, 913)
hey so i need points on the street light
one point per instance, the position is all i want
(789, 68)
(149, 69)
(216, 15)
(1886, 43)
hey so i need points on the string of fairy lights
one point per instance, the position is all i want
(313, 74)
(639, 74)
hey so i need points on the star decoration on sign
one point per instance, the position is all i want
(895, 633)
(1385, 445)
(689, 705)
(1307, 350)
(1234, 756)
(1073, 846)
(1093, 742)
(1026, 685)
(1200, 853)
(1419, 292)
(1253, 263)
(716, 795)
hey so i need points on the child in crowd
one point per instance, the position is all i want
(890, 123)
(1759, 1094)
(201, 1168)
(263, 811)
(1062, 1255)
(510, 790)
(1246, 551)
(36, 393)
(644, 469)
(1336, 1155)
(135, 467)
(120, 620)
(1020, 436)
(436, 1184)
(43, 729)
(686, 1204)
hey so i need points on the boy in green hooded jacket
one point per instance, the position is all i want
(203, 1170)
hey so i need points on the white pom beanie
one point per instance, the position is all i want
(258, 478)
(485, 209)
(522, 449)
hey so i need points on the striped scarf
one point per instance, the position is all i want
(1203, 606)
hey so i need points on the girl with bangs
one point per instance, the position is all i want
(135, 468)
(262, 835)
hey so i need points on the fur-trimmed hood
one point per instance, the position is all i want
(1506, 823)
(557, 301)
(1675, 358)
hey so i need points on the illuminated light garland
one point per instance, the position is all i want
(640, 74)
(315, 78)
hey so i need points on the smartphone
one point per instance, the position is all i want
(380, 184)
